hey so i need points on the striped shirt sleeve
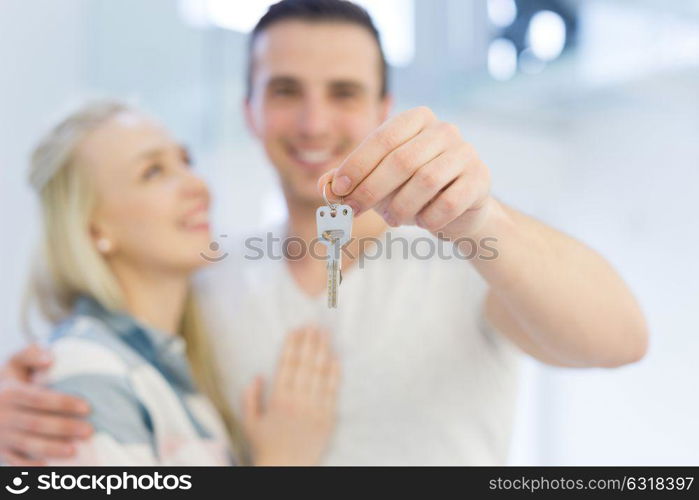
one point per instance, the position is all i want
(123, 433)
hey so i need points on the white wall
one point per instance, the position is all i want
(42, 66)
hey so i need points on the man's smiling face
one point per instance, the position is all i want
(315, 94)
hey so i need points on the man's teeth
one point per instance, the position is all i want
(314, 156)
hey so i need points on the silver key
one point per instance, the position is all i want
(334, 223)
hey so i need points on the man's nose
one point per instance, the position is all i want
(314, 117)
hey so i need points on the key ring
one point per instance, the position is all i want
(333, 206)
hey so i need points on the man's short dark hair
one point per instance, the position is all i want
(317, 11)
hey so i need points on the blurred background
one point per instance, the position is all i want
(587, 113)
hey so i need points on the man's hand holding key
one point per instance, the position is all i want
(416, 169)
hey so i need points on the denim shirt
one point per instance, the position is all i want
(145, 408)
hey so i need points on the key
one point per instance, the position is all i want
(334, 223)
(334, 266)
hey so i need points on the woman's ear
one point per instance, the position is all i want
(103, 243)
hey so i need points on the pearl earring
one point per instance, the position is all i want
(104, 245)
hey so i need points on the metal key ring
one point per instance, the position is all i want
(333, 206)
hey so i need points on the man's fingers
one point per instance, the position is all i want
(427, 182)
(325, 179)
(377, 145)
(16, 459)
(401, 164)
(40, 447)
(39, 398)
(31, 358)
(461, 196)
(52, 425)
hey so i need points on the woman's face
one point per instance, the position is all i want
(151, 209)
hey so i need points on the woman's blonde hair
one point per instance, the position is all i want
(69, 265)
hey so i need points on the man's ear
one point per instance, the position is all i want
(250, 117)
(386, 107)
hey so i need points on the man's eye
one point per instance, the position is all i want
(345, 94)
(152, 171)
(283, 91)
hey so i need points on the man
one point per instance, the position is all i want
(428, 347)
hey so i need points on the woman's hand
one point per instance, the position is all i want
(295, 424)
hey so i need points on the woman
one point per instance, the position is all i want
(125, 221)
